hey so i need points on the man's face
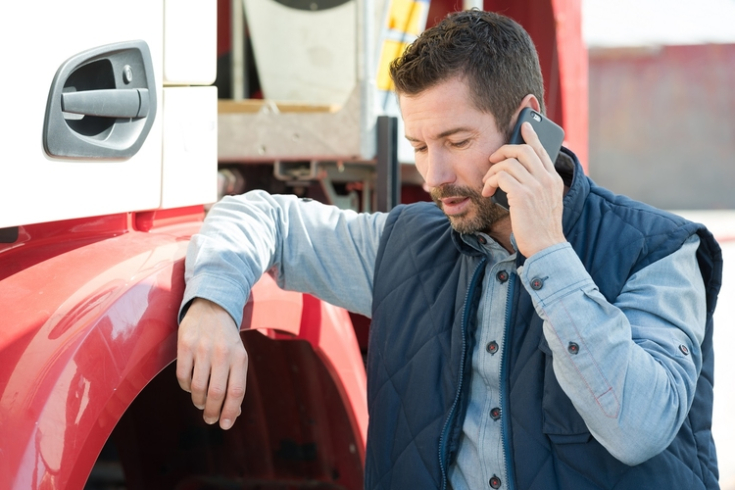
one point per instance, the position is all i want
(452, 141)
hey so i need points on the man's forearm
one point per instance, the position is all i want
(309, 246)
(622, 364)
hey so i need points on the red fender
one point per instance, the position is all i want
(89, 319)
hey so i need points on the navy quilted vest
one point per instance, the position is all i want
(426, 291)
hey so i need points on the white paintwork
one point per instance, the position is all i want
(302, 55)
(35, 39)
(190, 42)
(189, 146)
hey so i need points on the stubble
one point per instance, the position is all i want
(480, 216)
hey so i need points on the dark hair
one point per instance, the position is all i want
(492, 52)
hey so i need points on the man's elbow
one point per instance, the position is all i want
(633, 458)
(638, 447)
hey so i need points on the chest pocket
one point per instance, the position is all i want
(562, 423)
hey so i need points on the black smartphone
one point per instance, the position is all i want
(549, 133)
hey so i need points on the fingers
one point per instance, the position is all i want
(515, 165)
(530, 154)
(532, 140)
(200, 381)
(226, 387)
(507, 177)
(235, 392)
(214, 394)
(184, 366)
(212, 362)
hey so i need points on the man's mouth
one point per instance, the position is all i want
(453, 200)
(466, 209)
(455, 205)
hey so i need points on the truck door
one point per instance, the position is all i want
(82, 89)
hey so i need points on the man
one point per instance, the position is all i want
(566, 343)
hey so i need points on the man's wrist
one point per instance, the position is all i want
(541, 247)
(218, 290)
(552, 272)
(202, 308)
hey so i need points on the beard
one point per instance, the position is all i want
(481, 214)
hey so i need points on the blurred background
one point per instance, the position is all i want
(662, 130)
(661, 100)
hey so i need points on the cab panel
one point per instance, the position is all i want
(36, 186)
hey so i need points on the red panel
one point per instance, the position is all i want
(293, 433)
(89, 319)
(159, 218)
(574, 75)
(330, 331)
(92, 321)
(331, 334)
(271, 308)
(224, 27)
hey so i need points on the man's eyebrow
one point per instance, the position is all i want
(443, 134)
(450, 132)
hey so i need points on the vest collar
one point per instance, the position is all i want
(567, 163)
(462, 246)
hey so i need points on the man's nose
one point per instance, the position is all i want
(439, 169)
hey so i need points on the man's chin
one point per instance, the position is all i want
(473, 221)
(465, 224)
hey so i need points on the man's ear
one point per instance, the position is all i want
(529, 100)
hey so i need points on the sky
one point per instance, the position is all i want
(623, 23)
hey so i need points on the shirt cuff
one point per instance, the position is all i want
(230, 296)
(553, 273)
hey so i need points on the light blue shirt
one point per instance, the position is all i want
(630, 387)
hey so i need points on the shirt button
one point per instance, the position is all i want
(495, 482)
(492, 347)
(502, 276)
(495, 413)
(537, 283)
(684, 350)
(573, 348)
(481, 239)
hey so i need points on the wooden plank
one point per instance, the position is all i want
(227, 106)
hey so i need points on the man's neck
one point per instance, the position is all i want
(500, 232)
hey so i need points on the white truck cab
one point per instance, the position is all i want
(109, 107)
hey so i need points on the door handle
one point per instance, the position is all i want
(122, 103)
(102, 103)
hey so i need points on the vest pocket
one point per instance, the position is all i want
(562, 423)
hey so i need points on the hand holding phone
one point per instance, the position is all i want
(550, 134)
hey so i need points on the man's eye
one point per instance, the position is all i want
(419, 149)
(460, 144)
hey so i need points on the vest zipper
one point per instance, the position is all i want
(505, 412)
(463, 356)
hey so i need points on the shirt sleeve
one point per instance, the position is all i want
(309, 247)
(630, 368)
